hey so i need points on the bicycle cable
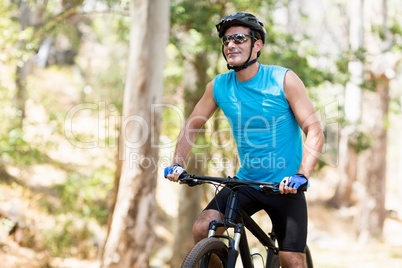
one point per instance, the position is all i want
(217, 186)
(258, 254)
(227, 206)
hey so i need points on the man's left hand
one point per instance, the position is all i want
(290, 185)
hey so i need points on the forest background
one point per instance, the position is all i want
(80, 80)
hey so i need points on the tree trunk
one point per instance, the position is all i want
(21, 76)
(372, 214)
(23, 67)
(131, 235)
(381, 69)
(353, 99)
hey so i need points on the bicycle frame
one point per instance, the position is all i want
(239, 241)
(237, 219)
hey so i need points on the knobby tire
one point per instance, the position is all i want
(201, 254)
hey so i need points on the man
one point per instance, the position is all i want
(266, 107)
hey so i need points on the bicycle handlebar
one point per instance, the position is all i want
(192, 180)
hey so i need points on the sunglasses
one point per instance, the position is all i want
(236, 38)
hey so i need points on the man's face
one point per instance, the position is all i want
(237, 54)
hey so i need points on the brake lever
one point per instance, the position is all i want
(273, 190)
(186, 178)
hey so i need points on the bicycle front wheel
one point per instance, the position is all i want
(309, 259)
(209, 252)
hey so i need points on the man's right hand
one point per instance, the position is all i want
(172, 173)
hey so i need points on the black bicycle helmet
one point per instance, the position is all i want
(247, 20)
(241, 19)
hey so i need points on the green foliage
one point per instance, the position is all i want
(67, 238)
(371, 84)
(395, 30)
(197, 15)
(15, 149)
(172, 121)
(311, 77)
(173, 71)
(85, 195)
(343, 75)
(193, 27)
(361, 141)
(81, 200)
(11, 35)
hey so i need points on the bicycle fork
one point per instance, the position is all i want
(237, 244)
(239, 241)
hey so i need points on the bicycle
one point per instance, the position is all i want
(213, 249)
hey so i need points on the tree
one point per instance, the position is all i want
(348, 147)
(130, 235)
(28, 17)
(380, 69)
(34, 29)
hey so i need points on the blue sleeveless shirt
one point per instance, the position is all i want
(266, 132)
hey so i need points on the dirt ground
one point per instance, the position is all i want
(332, 232)
(333, 244)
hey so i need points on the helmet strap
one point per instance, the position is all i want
(247, 63)
(242, 67)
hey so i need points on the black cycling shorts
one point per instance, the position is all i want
(288, 213)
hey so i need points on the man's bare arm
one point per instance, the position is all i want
(200, 115)
(303, 109)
